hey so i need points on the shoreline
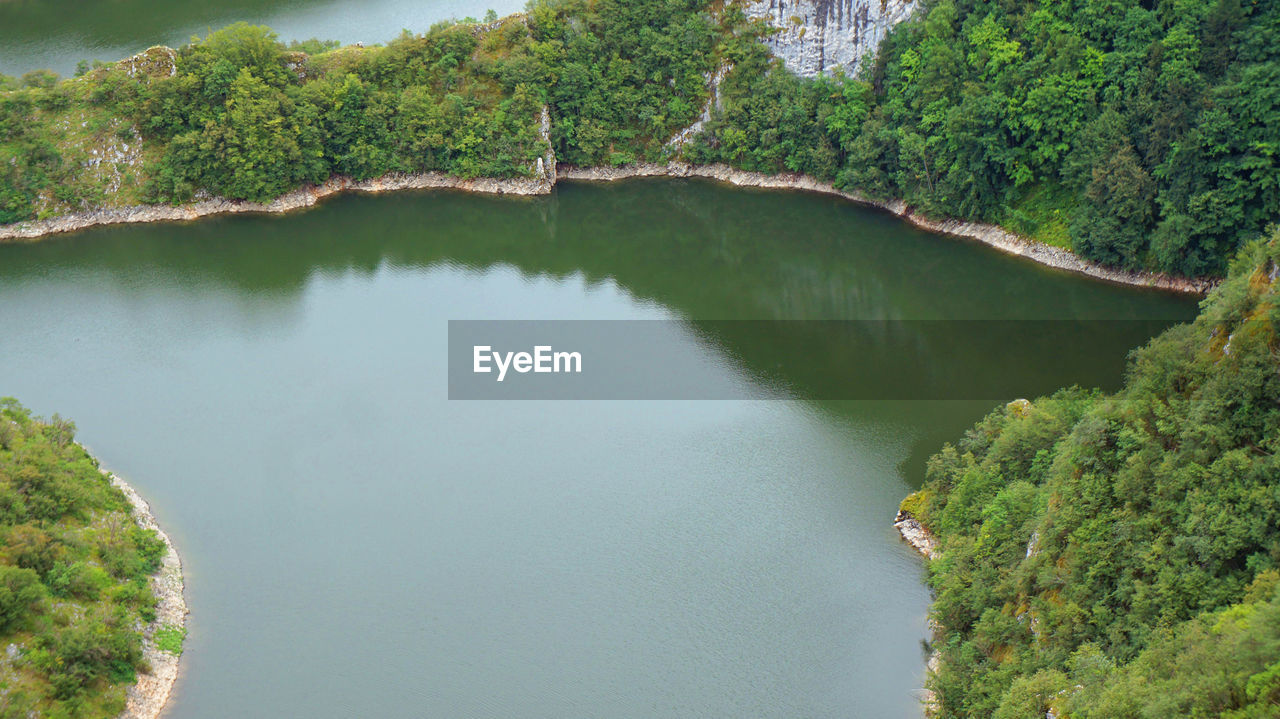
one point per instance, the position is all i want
(915, 534)
(924, 542)
(149, 695)
(990, 235)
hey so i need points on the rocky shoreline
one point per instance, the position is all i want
(146, 699)
(288, 202)
(990, 235)
(923, 541)
(920, 539)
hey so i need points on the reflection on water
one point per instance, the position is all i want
(357, 545)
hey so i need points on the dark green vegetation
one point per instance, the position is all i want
(74, 569)
(662, 520)
(1127, 545)
(243, 116)
(1141, 136)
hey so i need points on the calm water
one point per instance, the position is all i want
(56, 34)
(357, 545)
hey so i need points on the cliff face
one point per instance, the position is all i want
(823, 35)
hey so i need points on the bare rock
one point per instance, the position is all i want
(827, 35)
(921, 539)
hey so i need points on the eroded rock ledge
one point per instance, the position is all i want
(816, 36)
(990, 235)
(920, 539)
(147, 698)
(923, 541)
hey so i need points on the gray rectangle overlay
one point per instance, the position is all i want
(802, 359)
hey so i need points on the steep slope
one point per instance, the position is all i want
(829, 36)
(1079, 530)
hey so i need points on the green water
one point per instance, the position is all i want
(356, 544)
(56, 34)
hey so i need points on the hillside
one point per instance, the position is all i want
(1139, 137)
(1116, 556)
(75, 570)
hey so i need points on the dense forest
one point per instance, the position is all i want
(240, 115)
(74, 575)
(1103, 556)
(1118, 556)
(1140, 135)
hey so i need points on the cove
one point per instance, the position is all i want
(357, 545)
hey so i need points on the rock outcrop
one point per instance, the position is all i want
(825, 35)
(916, 535)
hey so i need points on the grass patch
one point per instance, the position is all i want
(170, 639)
(1041, 212)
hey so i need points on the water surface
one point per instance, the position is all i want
(357, 545)
(56, 34)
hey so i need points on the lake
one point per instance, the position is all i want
(356, 544)
(57, 34)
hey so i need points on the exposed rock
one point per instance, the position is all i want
(713, 103)
(146, 698)
(825, 35)
(546, 165)
(916, 535)
(1018, 407)
(297, 199)
(157, 61)
(990, 235)
(928, 697)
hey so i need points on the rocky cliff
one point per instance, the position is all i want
(825, 35)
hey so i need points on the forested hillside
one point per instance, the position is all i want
(74, 575)
(1116, 556)
(241, 115)
(1140, 135)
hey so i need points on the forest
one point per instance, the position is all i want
(1139, 135)
(1142, 136)
(74, 575)
(1119, 556)
(1103, 555)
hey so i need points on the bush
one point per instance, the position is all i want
(20, 595)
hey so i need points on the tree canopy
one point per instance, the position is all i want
(1141, 136)
(1094, 547)
(74, 575)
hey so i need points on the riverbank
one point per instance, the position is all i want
(920, 539)
(298, 199)
(923, 541)
(146, 699)
(991, 235)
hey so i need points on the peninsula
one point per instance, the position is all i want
(91, 608)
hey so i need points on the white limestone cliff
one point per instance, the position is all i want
(825, 35)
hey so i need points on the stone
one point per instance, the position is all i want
(828, 35)
(916, 535)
